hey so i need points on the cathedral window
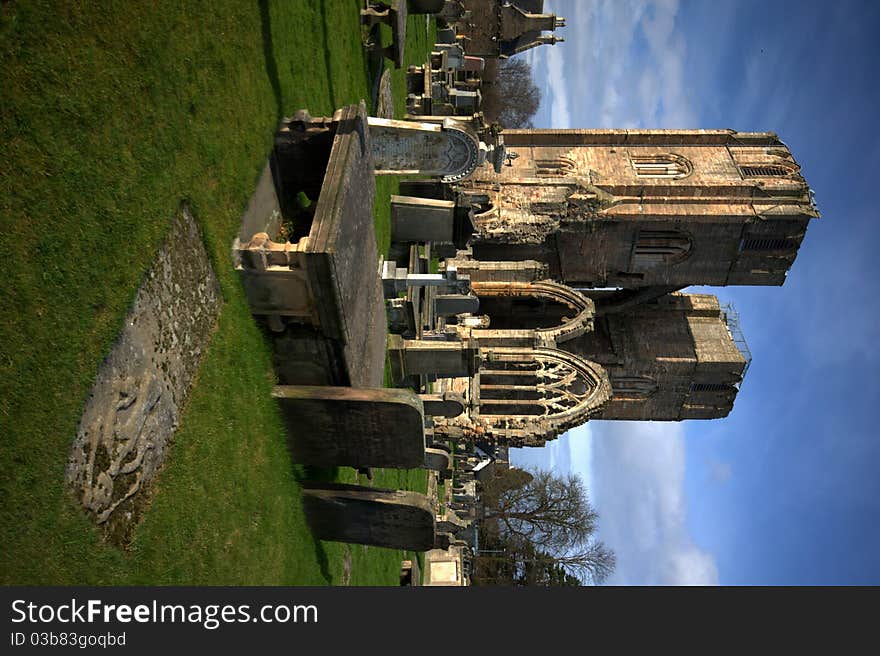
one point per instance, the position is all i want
(661, 166)
(660, 247)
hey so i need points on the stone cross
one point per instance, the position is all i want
(396, 279)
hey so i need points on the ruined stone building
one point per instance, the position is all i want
(496, 28)
(583, 244)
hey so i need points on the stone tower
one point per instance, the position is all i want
(645, 208)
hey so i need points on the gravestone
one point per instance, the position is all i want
(448, 359)
(445, 567)
(396, 279)
(401, 317)
(448, 404)
(354, 427)
(438, 461)
(315, 282)
(414, 148)
(421, 219)
(383, 518)
(451, 523)
(451, 304)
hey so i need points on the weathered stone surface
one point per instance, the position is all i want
(447, 404)
(426, 357)
(353, 427)
(401, 317)
(635, 208)
(416, 219)
(446, 567)
(326, 277)
(451, 304)
(409, 147)
(385, 99)
(362, 515)
(438, 460)
(141, 387)
(451, 523)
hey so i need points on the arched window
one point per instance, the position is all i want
(667, 165)
(632, 388)
(543, 382)
(546, 311)
(655, 247)
(555, 166)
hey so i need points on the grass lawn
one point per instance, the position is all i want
(111, 115)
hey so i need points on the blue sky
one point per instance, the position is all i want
(786, 490)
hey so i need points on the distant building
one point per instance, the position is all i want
(493, 28)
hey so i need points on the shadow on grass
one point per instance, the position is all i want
(269, 56)
(305, 474)
(328, 40)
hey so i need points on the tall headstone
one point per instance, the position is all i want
(451, 359)
(421, 219)
(354, 427)
(447, 404)
(383, 518)
(413, 148)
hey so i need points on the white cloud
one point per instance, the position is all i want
(720, 472)
(622, 65)
(638, 486)
(559, 112)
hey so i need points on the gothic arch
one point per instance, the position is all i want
(526, 396)
(582, 308)
(664, 165)
(556, 166)
(655, 247)
(632, 388)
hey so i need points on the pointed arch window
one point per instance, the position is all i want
(632, 388)
(666, 165)
(655, 247)
(554, 166)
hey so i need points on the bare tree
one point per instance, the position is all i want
(510, 96)
(549, 519)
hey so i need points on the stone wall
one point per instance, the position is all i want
(660, 207)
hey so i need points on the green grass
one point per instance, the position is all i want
(111, 115)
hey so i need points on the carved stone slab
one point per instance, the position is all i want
(408, 147)
(344, 426)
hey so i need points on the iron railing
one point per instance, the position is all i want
(731, 318)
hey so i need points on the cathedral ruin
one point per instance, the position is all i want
(582, 247)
